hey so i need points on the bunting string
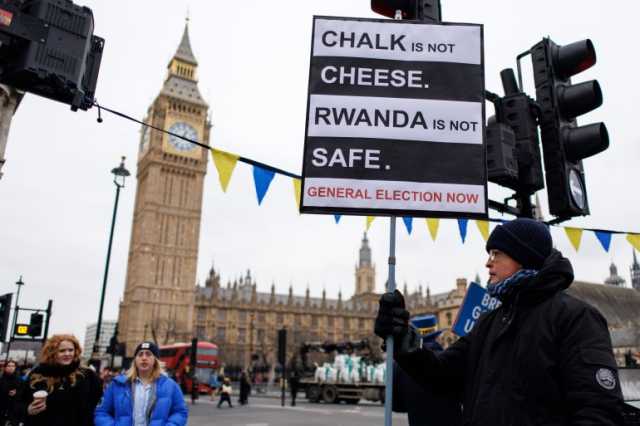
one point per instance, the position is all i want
(263, 175)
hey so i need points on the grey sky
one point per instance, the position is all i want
(56, 197)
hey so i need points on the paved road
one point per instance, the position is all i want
(268, 412)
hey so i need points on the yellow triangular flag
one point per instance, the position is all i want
(575, 236)
(433, 225)
(369, 221)
(483, 227)
(296, 191)
(225, 163)
(634, 239)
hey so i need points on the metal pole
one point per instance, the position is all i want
(106, 271)
(284, 375)
(391, 286)
(46, 326)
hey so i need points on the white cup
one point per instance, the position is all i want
(40, 395)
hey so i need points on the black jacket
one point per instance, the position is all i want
(8, 403)
(542, 358)
(67, 404)
(425, 405)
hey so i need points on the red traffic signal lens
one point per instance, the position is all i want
(574, 58)
(388, 8)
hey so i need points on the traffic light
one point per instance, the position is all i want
(424, 10)
(35, 325)
(5, 310)
(47, 47)
(564, 143)
(513, 152)
(282, 346)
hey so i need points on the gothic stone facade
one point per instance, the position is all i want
(244, 321)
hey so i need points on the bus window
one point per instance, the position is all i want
(203, 375)
(207, 352)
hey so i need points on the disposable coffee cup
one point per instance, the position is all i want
(39, 395)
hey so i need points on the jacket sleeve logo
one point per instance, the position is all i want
(606, 378)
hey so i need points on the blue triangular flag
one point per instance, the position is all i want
(462, 226)
(262, 179)
(604, 238)
(337, 217)
(408, 222)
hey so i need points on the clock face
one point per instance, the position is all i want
(185, 130)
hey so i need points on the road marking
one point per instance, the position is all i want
(257, 424)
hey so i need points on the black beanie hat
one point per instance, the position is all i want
(526, 241)
(150, 346)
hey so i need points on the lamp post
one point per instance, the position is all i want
(19, 283)
(119, 175)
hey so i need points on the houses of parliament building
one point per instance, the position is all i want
(161, 300)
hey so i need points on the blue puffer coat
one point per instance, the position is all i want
(116, 408)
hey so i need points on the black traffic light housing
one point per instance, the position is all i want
(564, 143)
(48, 49)
(424, 10)
(513, 147)
(35, 324)
(5, 311)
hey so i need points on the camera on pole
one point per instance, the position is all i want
(564, 143)
(47, 48)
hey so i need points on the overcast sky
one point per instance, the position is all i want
(56, 196)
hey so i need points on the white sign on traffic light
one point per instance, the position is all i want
(395, 119)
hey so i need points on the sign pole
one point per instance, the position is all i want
(391, 286)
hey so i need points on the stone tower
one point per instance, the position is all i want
(614, 279)
(161, 272)
(365, 271)
(635, 272)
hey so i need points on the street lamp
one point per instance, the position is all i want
(119, 175)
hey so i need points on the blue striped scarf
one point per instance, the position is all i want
(502, 288)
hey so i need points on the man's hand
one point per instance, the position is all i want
(393, 318)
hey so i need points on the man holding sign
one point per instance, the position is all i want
(542, 357)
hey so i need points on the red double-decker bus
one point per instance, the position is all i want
(176, 361)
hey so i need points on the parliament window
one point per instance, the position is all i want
(220, 335)
(242, 332)
(221, 315)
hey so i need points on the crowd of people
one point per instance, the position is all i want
(59, 391)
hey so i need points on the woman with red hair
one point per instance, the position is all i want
(67, 394)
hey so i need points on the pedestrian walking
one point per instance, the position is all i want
(10, 387)
(225, 393)
(214, 384)
(245, 388)
(542, 357)
(143, 396)
(195, 389)
(58, 391)
(294, 380)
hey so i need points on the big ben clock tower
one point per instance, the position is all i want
(161, 271)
